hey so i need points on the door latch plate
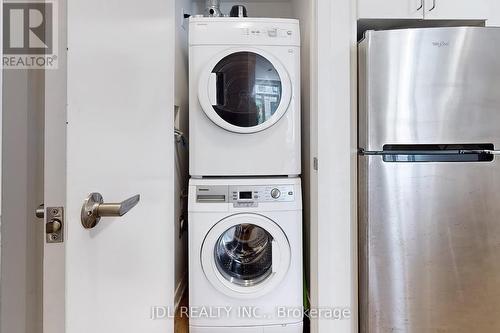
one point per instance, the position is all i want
(54, 227)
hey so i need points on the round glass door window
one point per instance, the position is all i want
(249, 89)
(243, 255)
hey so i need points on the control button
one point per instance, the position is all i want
(273, 32)
(290, 193)
(275, 193)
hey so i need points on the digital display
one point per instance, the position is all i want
(246, 195)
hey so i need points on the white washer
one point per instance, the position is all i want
(245, 255)
(244, 97)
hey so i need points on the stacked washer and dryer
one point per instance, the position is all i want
(245, 203)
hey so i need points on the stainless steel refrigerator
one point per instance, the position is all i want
(429, 177)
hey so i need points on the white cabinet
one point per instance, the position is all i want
(431, 10)
(494, 18)
(458, 9)
(493, 13)
(488, 10)
(388, 9)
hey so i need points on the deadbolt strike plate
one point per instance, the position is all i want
(54, 215)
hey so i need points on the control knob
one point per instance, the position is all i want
(275, 193)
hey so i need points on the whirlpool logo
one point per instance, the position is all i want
(30, 34)
(441, 44)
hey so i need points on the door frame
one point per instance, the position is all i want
(333, 217)
(55, 180)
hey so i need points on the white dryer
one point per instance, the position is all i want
(244, 97)
(245, 255)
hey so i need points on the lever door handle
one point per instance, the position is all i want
(94, 208)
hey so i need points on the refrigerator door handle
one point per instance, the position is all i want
(455, 155)
(490, 152)
(363, 152)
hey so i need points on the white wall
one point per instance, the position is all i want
(281, 9)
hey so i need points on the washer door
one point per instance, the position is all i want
(245, 255)
(245, 90)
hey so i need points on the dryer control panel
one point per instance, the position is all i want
(248, 31)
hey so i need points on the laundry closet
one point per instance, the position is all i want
(243, 82)
(114, 169)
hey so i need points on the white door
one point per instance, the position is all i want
(459, 9)
(391, 9)
(109, 129)
(245, 255)
(245, 90)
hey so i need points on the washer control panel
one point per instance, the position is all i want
(245, 196)
(256, 194)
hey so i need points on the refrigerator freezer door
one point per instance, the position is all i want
(429, 246)
(430, 86)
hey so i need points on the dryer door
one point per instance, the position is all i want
(245, 255)
(245, 90)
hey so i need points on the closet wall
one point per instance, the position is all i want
(256, 8)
